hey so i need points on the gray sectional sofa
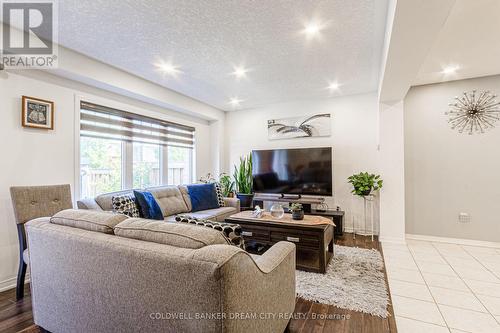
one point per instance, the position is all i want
(172, 200)
(95, 271)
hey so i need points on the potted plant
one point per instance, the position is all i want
(297, 211)
(244, 181)
(364, 183)
(227, 185)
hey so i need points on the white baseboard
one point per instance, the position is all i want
(360, 232)
(393, 240)
(459, 241)
(11, 283)
(8, 284)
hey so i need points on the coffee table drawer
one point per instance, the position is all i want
(254, 233)
(298, 239)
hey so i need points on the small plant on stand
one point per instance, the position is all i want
(365, 184)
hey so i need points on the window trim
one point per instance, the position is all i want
(127, 149)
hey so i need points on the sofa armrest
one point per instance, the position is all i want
(88, 203)
(273, 257)
(232, 202)
(262, 285)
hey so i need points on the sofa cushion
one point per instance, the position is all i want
(220, 195)
(105, 201)
(148, 206)
(88, 219)
(170, 199)
(125, 204)
(203, 196)
(217, 214)
(174, 234)
(185, 195)
(231, 231)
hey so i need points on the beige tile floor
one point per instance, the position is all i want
(443, 287)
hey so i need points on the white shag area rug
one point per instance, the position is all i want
(354, 280)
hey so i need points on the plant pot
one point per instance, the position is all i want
(298, 214)
(365, 193)
(245, 200)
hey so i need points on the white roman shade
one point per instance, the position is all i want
(99, 121)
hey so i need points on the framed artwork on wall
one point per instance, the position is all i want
(37, 113)
(299, 127)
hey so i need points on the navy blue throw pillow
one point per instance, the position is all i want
(148, 206)
(203, 196)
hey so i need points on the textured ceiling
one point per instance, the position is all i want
(207, 38)
(469, 40)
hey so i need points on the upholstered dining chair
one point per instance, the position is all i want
(31, 202)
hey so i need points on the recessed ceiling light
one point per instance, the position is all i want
(235, 101)
(451, 69)
(312, 29)
(168, 68)
(333, 86)
(240, 72)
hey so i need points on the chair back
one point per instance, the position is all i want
(31, 202)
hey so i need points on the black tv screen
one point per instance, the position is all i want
(305, 171)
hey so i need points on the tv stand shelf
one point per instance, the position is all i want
(336, 215)
(306, 201)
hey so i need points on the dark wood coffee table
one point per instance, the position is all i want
(313, 236)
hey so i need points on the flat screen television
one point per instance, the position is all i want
(304, 171)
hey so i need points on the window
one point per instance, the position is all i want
(120, 150)
(179, 162)
(100, 166)
(146, 166)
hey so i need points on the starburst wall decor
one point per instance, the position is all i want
(473, 113)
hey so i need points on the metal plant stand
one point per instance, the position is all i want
(367, 200)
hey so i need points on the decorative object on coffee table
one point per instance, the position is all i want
(277, 211)
(313, 236)
(297, 211)
(244, 181)
(37, 113)
(257, 212)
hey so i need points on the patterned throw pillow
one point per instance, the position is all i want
(125, 204)
(232, 232)
(220, 195)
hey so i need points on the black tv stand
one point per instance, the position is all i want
(336, 216)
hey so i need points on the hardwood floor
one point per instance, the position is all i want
(309, 316)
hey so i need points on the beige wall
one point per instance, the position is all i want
(447, 173)
(354, 141)
(36, 157)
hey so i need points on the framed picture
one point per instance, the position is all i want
(38, 113)
(299, 127)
